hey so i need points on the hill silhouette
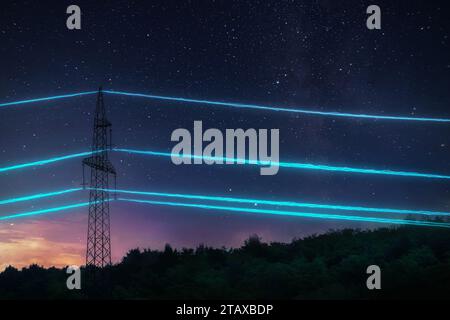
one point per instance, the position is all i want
(415, 263)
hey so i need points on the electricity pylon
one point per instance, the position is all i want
(98, 252)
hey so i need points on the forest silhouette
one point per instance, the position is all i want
(414, 262)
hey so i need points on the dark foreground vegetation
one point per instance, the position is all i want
(415, 263)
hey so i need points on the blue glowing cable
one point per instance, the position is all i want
(46, 211)
(268, 108)
(280, 203)
(231, 104)
(231, 199)
(235, 209)
(45, 161)
(43, 211)
(64, 96)
(293, 213)
(293, 165)
(38, 196)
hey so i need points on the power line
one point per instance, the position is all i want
(64, 96)
(291, 165)
(38, 196)
(233, 105)
(43, 211)
(293, 213)
(281, 203)
(238, 209)
(44, 162)
(279, 109)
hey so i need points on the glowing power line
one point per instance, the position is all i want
(45, 161)
(232, 199)
(46, 211)
(236, 209)
(292, 165)
(293, 213)
(232, 105)
(269, 108)
(38, 196)
(43, 211)
(64, 96)
(282, 203)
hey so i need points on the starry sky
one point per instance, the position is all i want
(314, 54)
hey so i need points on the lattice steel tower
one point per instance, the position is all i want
(98, 252)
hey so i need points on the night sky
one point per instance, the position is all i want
(312, 54)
